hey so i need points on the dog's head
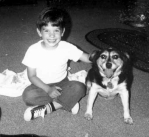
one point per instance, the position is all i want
(110, 62)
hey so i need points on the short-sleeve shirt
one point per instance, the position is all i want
(51, 65)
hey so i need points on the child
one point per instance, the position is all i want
(46, 63)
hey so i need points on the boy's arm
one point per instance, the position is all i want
(35, 80)
(52, 91)
(85, 58)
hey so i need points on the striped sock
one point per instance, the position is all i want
(51, 106)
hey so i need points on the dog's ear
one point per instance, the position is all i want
(127, 55)
(94, 55)
(131, 57)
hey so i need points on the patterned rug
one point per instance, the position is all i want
(131, 41)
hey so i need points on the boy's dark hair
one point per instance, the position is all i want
(55, 16)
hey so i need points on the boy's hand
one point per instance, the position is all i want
(55, 92)
(85, 58)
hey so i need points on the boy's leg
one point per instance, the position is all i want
(39, 102)
(33, 96)
(72, 92)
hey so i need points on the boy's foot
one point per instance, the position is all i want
(75, 109)
(35, 112)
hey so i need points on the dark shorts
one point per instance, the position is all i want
(72, 92)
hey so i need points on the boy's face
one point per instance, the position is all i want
(51, 35)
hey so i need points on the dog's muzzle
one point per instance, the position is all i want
(108, 65)
(109, 71)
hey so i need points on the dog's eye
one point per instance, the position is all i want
(103, 56)
(115, 57)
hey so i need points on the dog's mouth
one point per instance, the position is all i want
(109, 72)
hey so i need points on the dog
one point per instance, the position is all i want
(110, 75)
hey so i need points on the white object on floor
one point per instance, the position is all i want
(78, 76)
(13, 84)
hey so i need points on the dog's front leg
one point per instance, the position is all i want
(91, 97)
(125, 102)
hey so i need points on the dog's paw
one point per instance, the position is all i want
(88, 116)
(128, 120)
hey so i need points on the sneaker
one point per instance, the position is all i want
(75, 109)
(35, 112)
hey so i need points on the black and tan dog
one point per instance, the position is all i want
(110, 75)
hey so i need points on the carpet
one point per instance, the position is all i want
(20, 135)
(131, 41)
(18, 32)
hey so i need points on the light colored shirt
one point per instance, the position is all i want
(51, 65)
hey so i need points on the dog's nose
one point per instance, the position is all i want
(108, 65)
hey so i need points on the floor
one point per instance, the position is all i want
(18, 32)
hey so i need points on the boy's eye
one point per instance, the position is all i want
(46, 31)
(57, 30)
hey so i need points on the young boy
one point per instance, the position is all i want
(46, 63)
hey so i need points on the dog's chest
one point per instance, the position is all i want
(110, 84)
(112, 87)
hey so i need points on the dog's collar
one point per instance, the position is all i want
(108, 81)
(110, 85)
